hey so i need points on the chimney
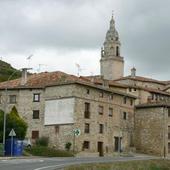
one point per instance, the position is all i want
(24, 76)
(133, 72)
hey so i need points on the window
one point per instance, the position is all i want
(117, 51)
(57, 129)
(130, 89)
(36, 114)
(134, 89)
(36, 97)
(110, 112)
(87, 128)
(101, 108)
(87, 110)
(35, 134)
(156, 97)
(152, 96)
(101, 94)
(124, 115)
(101, 128)
(12, 99)
(168, 132)
(168, 112)
(87, 91)
(124, 100)
(111, 96)
(131, 102)
(86, 145)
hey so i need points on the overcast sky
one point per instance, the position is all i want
(60, 33)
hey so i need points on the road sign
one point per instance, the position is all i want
(77, 132)
(12, 133)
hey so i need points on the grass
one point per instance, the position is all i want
(130, 165)
(47, 152)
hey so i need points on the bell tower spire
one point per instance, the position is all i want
(111, 63)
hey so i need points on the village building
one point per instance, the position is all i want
(98, 114)
(152, 128)
(54, 104)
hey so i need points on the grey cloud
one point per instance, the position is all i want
(73, 25)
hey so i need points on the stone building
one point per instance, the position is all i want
(54, 104)
(101, 107)
(111, 63)
(152, 128)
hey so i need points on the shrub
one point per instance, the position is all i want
(48, 152)
(68, 146)
(13, 121)
(43, 141)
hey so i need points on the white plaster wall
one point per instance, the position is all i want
(59, 111)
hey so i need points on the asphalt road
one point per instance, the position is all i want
(59, 163)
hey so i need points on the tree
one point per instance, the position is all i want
(13, 121)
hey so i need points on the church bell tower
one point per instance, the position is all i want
(111, 63)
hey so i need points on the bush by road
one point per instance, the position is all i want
(47, 152)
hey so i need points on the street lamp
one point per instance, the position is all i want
(5, 110)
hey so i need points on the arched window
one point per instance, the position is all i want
(117, 51)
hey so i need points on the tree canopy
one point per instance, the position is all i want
(13, 121)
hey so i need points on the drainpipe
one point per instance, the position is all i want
(164, 135)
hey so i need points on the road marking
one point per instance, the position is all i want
(52, 166)
(55, 166)
(19, 161)
(5, 160)
(94, 161)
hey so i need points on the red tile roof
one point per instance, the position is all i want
(154, 104)
(100, 81)
(46, 79)
(39, 80)
(143, 79)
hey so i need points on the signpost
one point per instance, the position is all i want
(76, 132)
(12, 134)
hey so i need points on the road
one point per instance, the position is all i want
(58, 163)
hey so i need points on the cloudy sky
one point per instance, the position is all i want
(60, 33)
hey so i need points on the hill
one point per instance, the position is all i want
(6, 70)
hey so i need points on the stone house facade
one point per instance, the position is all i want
(103, 115)
(152, 128)
(101, 107)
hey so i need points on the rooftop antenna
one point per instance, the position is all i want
(91, 73)
(79, 69)
(39, 67)
(29, 58)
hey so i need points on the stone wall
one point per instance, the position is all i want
(112, 68)
(59, 135)
(150, 130)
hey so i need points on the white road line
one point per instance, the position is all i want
(54, 166)
(14, 161)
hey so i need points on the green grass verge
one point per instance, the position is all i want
(47, 152)
(130, 165)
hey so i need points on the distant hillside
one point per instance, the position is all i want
(6, 70)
